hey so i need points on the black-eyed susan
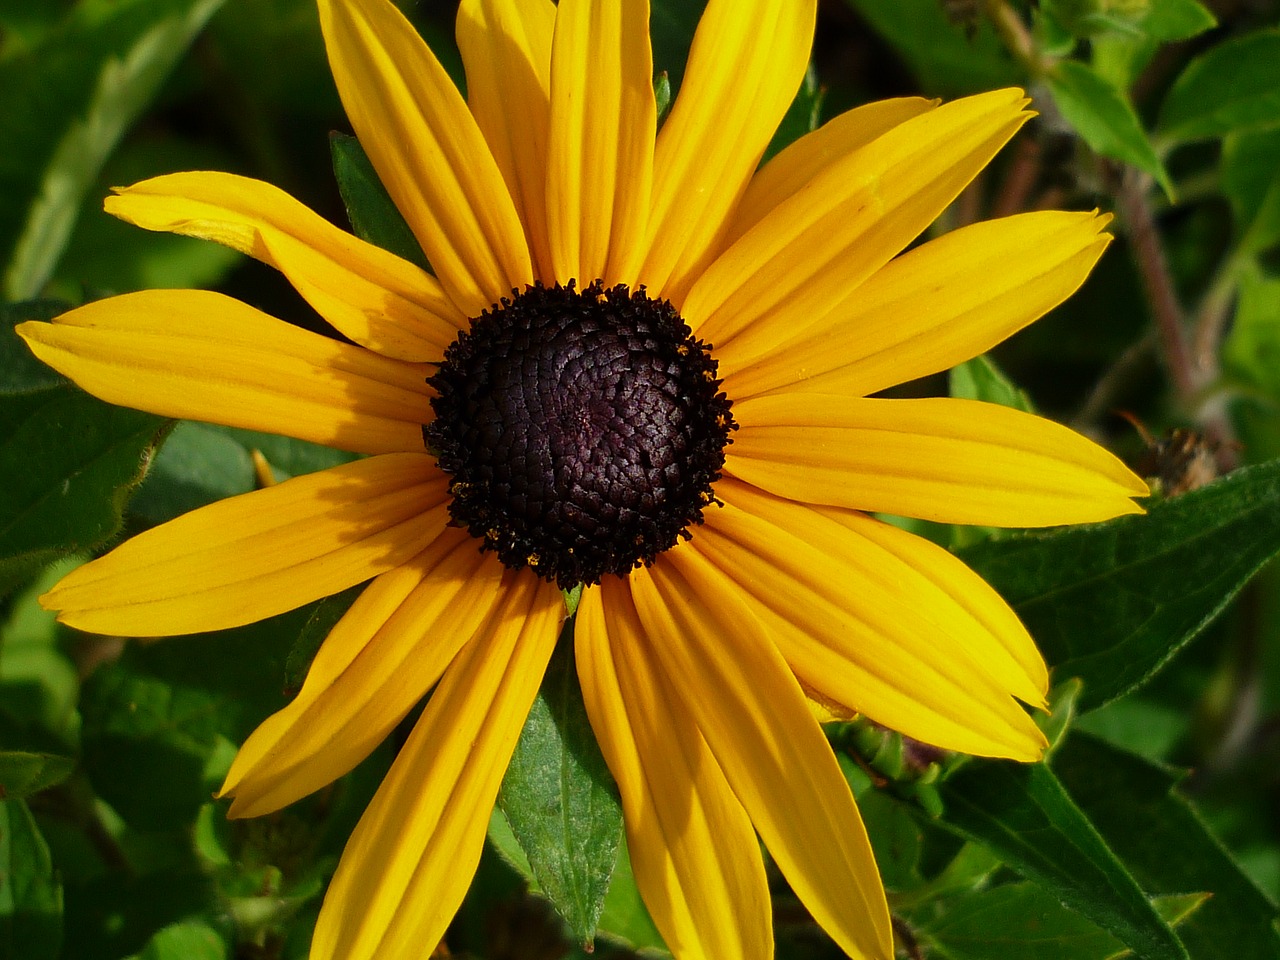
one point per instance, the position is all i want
(643, 365)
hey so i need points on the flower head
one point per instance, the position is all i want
(642, 364)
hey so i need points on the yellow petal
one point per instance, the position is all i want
(202, 356)
(693, 849)
(933, 307)
(371, 296)
(380, 659)
(411, 858)
(746, 63)
(953, 461)
(600, 158)
(506, 47)
(803, 258)
(880, 621)
(427, 149)
(742, 696)
(792, 169)
(250, 557)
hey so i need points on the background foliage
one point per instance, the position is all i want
(1153, 828)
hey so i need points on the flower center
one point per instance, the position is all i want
(582, 430)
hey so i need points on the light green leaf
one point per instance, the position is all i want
(981, 379)
(79, 91)
(30, 894)
(560, 799)
(189, 940)
(1250, 170)
(1110, 603)
(1104, 118)
(1252, 351)
(1171, 20)
(1232, 87)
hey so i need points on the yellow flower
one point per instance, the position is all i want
(713, 498)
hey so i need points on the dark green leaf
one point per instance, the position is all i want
(374, 216)
(1165, 844)
(68, 101)
(20, 371)
(671, 27)
(1104, 118)
(803, 116)
(1031, 921)
(23, 773)
(71, 462)
(1250, 171)
(324, 617)
(1110, 603)
(161, 723)
(1232, 87)
(560, 800)
(30, 894)
(189, 940)
(943, 57)
(1023, 815)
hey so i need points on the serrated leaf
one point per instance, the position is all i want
(374, 216)
(1104, 118)
(944, 57)
(71, 462)
(23, 773)
(560, 799)
(1032, 922)
(1232, 87)
(30, 894)
(1168, 848)
(1022, 814)
(69, 101)
(1250, 172)
(1110, 603)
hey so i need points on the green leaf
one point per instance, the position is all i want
(981, 379)
(30, 894)
(161, 723)
(1104, 118)
(625, 918)
(71, 462)
(68, 102)
(1232, 87)
(188, 940)
(1170, 20)
(560, 800)
(23, 773)
(1166, 845)
(943, 57)
(1022, 814)
(20, 371)
(374, 216)
(1252, 350)
(1032, 922)
(1110, 603)
(671, 27)
(1250, 172)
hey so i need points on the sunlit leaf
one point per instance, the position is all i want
(560, 800)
